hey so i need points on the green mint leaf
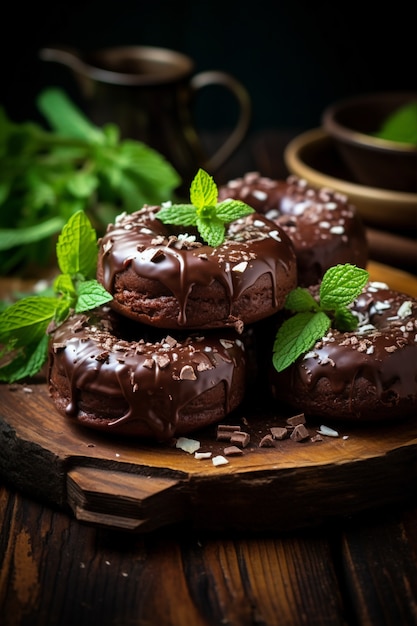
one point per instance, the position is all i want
(91, 294)
(11, 237)
(298, 335)
(345, 320)
(203, 190)
(230, 210)
(341, 284)
(178, 214)
(23, 327)
(64, 285)
(66, 119)
(401, 125)
(82, 184)
(77, 247)
(27, 362)
(26, 320)
(211, 230)
(299, 300)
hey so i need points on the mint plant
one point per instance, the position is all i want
(24, 324)
(209, 216)
(48, 175)
(312, 318)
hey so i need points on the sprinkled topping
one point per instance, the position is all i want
(405, 309)
(337, 230)
(240, 267)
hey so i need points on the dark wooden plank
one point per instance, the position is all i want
(56, 571)
(380, 566)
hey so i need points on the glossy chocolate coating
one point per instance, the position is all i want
(142, 261)
(119, 376)
(323, 226)
(367, 374)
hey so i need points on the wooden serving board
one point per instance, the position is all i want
(128, 485)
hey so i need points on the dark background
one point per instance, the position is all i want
(293, 57)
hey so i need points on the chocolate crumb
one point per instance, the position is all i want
(227, 427)
(162, 360)
(187, 373)
(278, 432)
(232, 451)
(267, 442)
(240, 438)
(300, 433)
(316, 438)
(296, 419)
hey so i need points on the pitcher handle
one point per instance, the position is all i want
(238, 134)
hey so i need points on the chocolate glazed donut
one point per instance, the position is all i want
(323, 226)
(367, 374)
(165, 278)
(102, 375)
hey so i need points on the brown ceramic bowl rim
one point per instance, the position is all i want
(317, 135)
(357, 138)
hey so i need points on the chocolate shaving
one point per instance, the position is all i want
(300, 433)
(187, 373)
(278, 432)
(267, 442)
(296, 419)
(240, 439)
(232, 451)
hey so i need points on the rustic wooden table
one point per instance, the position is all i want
(55, 570)
(360, 570)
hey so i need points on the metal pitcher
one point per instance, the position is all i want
(149, 93)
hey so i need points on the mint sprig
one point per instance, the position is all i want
(23, 325)
(312, 318)
(209, 216)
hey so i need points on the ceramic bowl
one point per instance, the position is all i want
(314, 157)
(372, 161)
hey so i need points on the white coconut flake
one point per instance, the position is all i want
(188, 445)
(202, 455)
(328, 432)
(381, 306)
(375, 285)
(274, 234)
(405, 309)
(240, 267)
(259, 194)
(219, 460)
(366, 328)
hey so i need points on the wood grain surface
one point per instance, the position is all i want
(361, 572)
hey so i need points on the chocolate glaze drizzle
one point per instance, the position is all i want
(254, 246)
(152, 378)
